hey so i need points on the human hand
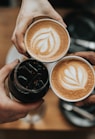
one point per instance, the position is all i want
(29, 10)
(90, 56)
(9, 109)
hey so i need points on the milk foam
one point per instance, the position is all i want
(45, 42)
(74, 77)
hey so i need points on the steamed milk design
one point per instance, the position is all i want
(72, 79)
(47, 40)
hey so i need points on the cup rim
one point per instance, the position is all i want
(47, 19)
(62, 97)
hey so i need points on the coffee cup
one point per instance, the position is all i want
(29, 81)
(72, 79)
(47, 40)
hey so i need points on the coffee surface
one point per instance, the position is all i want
(47, 41)
(72, 79)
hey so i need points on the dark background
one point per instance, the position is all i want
(27, 134)
(30, 134)
(57, 3)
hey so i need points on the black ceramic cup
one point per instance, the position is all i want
(29, 81)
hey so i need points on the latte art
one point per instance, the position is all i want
(74, 78)
(45, 42)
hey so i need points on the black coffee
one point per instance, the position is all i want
(29, 81)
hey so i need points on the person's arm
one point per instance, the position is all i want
(9, 109)
(29, 10)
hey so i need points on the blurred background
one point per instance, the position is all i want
(10, 3)
(79, 16)
(56, 3)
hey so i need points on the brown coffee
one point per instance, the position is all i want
(72, 79)
(47, 40)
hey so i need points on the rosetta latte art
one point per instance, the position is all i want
(74, 78)
(45, 42)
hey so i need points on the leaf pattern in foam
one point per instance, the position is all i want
(46, 41)
(74, 78)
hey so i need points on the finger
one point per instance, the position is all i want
(14, 41)
(13, 118)
(23, 108)
(82, 54)
(7, 69)
(53, 14)
(17, 117)
(90, 56)
(89, 100)
(18, 36)
(19, 44)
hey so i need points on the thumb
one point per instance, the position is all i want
(53, 14)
